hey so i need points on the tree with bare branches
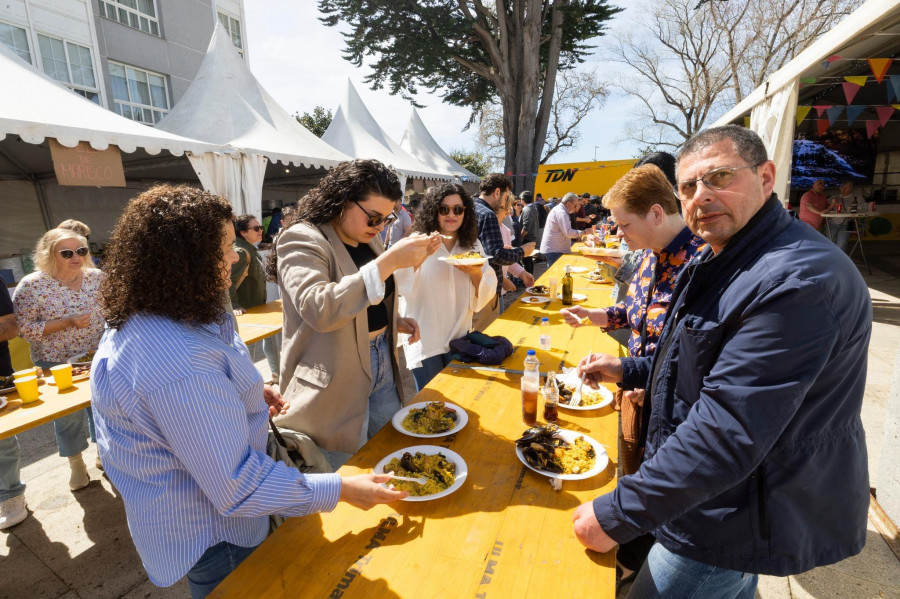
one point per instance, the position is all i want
(688, 61)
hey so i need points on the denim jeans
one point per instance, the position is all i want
(429, 369)
(214, 565)
(552, 257)
(71, 437)
(383, 398)
(666, 575)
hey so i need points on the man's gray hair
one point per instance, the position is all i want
(569, 198)
(747, 143)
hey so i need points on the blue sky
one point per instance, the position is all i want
(298, 60)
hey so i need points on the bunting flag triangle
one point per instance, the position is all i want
(897, 106)
(802, 111)
(826, 64)
(850, 90)
(884, 113)
(833, 113)
(857, 79)
(807, 79)
(747, 122)
(822, 126)
(871, 128)
(833, 58)
(895, 84)
(820, 110)
(853, 112)
(880, 67)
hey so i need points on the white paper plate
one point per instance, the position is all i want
(464, 261)
(8, 390)
(461, 419)
(600, 461)
(534, 299)
(570, 377)
(577, 269)
(579, 297)
(75, 378)
(541, 293)
(461, 469)
(3, 402)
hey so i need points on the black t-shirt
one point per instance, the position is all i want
(6, 307)
(378, 315)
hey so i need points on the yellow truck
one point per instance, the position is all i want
(595, 178)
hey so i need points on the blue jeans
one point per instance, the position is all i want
(383, 398)
(214, 565)
(429, 369)
(552, 257)
(666, 575)
(71, 437)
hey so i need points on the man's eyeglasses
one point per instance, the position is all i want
(376, 219)
(717, 179)
(444, 210)
(67, 254)
(257, 228)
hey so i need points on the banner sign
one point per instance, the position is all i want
(84, 166)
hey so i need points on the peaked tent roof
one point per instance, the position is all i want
(353, 130)
(417, 140)
(40, 107)
(226, 105)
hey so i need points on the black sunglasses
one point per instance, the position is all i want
(376, 219)
(444, 210)
(67, 254)
(257, 228)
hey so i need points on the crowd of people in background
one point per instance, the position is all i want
(361, 275)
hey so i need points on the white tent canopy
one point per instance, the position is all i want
(35, 107)
(226, 105)
(773, 105)
(354, 131)
(418, 141)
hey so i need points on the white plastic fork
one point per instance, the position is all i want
(411, 479)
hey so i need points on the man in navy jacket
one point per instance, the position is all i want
(755, 457)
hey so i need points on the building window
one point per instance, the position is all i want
(71, 64)
(233, 27)
(138, 95)
(139, 14)
(16, 39)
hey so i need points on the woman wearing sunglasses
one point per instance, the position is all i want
(58, 313)
(339, 357)
(440, 297)
(248, 281)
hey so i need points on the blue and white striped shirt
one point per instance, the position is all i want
(181, 427)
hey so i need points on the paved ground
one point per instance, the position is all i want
(77, 545)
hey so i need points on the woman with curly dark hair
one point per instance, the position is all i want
(443, 297)
(181, 412)
(339, 357)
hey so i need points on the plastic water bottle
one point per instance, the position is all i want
(531, 382)
(545, 333)
(551, 399)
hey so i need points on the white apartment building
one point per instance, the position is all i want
(136, 57)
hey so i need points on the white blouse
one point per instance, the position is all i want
(442, 299)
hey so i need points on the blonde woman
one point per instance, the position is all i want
(58, 313)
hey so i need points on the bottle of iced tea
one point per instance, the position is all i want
(531, 381)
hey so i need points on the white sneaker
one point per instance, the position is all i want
(12, 511)
(79, 477)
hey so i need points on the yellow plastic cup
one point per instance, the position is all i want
(27, 386)
(26, 372)
(62, 374)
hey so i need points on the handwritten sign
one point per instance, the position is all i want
(85, 166)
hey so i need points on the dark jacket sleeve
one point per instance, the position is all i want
(767, 364)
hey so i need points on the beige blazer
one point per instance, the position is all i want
(325, 366)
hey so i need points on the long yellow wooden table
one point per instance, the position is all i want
(505, 533)
(260, 322)
(17, 417)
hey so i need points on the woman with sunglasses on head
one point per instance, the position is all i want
(58, 313)
(339, 367)
(441, 297)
